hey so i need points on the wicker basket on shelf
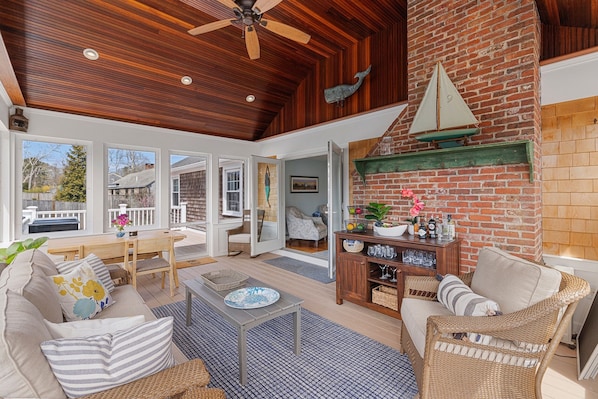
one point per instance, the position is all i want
(353, 245)
(385, 296)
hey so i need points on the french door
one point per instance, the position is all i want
(267, 193)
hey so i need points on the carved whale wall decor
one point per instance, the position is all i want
(337, 94)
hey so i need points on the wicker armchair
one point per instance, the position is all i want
(454, 368)
(185, 381)
(239, 238)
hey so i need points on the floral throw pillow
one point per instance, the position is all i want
(81, 294)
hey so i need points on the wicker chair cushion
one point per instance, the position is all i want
(110, 359)
(25, 373)
(243, 238)
(415, 313)
(511, 281)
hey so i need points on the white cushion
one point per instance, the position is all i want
(513, 282)
(24, 371)
(29, 280)
(242, 238)
(415, 313)
(457, 297)
(84, 328)
(80, 293)
(98, 266)
(91, 364)
(39, 258)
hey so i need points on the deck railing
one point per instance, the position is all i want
(139, 216)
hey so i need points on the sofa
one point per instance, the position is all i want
(31, 313)
(490, 333)
(303, 227)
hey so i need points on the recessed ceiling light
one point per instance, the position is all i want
(250, 98)
(186, 80)
(91, 54)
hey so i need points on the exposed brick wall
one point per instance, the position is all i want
(570, 178)
(490, 51)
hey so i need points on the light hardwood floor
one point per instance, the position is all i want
(560, 382)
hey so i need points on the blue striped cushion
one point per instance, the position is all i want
(98, 266)
(457, 297)
(91, 364)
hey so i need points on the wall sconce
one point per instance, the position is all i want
(18, 121)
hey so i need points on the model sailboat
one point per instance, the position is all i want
(443, 116)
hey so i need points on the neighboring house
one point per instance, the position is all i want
(135, 189)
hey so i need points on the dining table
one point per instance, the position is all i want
(69, 246)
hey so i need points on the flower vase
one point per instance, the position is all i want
(120, 234)
(411, 229)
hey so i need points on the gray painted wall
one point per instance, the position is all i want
(312, 167)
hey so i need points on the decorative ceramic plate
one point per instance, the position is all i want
(251, 298)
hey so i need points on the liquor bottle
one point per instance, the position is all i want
(422, 233)
(432, 227)
(451, 227)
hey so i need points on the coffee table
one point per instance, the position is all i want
(244, 319)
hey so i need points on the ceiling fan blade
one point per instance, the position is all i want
(252, 43)
(229, 3)
(285, 30)
(261, 6)
(210, 27)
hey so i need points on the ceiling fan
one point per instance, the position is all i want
(249, 13)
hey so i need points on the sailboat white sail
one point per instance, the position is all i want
(442, 114)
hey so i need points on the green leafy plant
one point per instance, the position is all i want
(7, 255)
(377, 212)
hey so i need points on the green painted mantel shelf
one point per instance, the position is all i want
(456, 157)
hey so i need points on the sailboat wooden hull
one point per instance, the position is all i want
(448, 138)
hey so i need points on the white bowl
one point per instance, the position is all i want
(393, 231)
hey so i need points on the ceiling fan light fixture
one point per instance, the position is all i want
(186, 80)
(250, 98)
(91, 54)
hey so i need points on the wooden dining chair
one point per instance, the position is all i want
(114, 255)
(164, 262)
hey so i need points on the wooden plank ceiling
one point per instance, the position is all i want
(145, 49)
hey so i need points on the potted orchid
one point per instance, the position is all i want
(416, 208)
(120, 223)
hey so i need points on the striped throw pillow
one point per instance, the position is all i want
(457, 297)
(92, 364)
(98, 266)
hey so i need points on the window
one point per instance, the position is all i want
(176, 191)
(131, 186)
(232, 190)
(53, 186)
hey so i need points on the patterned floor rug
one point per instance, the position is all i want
(335, 362)
(304, 269)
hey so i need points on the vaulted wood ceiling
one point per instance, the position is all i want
(145, 49)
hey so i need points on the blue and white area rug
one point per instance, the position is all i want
(304, 269)
(335, 362)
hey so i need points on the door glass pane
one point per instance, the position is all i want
(188, 208)
(131, 186)
(54, 181)
(268, 198)
(231, 189)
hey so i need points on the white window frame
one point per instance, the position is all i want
(237, 168)
(174, 192)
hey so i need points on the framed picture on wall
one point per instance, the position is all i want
(304, 184)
